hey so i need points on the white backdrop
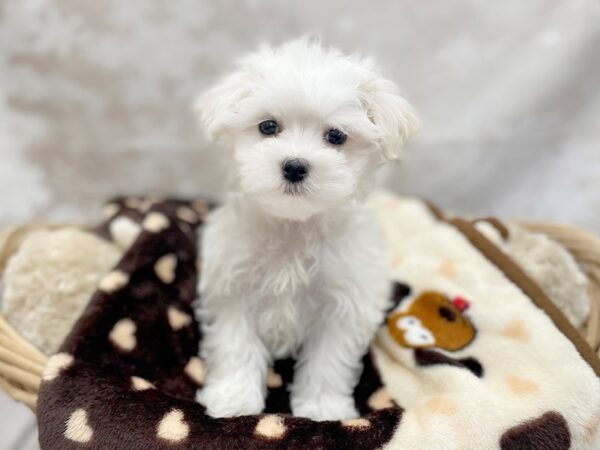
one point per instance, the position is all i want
(94, 97)
(94, 100)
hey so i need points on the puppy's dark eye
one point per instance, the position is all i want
(335, 137)
(268, 127)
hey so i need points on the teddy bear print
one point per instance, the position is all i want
(433, 320)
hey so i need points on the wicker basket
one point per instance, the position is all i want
(21, 364)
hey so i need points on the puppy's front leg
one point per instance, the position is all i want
(328, 370)
(236, 361)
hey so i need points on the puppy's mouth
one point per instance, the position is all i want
(294, 189)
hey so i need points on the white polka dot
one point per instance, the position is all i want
(271, 427)
(187, 214)
(156, 222)
(123, 335)
(195, 370)
(201, 207)
(146, 204)
(114, 281)
(124, 231)
(359, 423)
(133, 202)
(274, 380)
(77, 427)
(165, 267)
(185, 227)
(178, 319)
(141, 384)
(55, 365)
(154, 199)
(111, 209)
(380, 399)
(173, 427)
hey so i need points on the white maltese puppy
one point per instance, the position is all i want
(293, 263)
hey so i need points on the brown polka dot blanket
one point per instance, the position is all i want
(474, 355)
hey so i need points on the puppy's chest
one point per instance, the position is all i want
(282, 270)
(282, 294)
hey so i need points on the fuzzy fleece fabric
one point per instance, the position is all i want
(473, 355)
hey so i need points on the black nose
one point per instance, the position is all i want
(295, 170)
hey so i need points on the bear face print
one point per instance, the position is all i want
(433, 320)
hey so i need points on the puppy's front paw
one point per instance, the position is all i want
(325, 407)
(229, 400)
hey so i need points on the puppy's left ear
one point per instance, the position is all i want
(217, 108)
(391, 113)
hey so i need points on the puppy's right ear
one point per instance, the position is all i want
(217, 108)
(391, 112)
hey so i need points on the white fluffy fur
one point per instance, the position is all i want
(299, 274)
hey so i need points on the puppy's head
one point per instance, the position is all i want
(308, 126)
